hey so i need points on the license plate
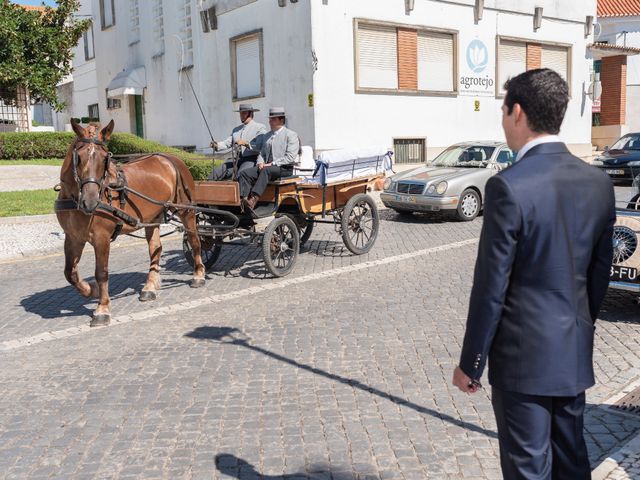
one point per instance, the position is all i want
(615, 172)
(624, 274)
(405, 199)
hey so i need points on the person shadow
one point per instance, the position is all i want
(235, 467)
(233, 336)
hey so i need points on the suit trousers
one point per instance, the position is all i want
(254, 180)
(541, 437)
(225, 171)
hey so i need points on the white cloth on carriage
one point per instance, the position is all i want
(348, 163)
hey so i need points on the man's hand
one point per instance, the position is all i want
(463, 382)
(214, 145)
(242, 143)
(263, 165)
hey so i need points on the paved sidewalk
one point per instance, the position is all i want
(28, 177)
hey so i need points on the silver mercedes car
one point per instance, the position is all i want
(453, 182)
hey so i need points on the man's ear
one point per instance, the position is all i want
(105, 134)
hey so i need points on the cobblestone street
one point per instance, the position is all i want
(341, 370)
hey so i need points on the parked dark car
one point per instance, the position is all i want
(615, 160)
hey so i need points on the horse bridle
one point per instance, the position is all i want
(82, 182)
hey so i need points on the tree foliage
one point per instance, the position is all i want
(36, 48)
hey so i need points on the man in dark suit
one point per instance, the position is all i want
(541, 274)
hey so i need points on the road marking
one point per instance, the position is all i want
(219, 298)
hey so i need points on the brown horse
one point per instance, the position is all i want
(86, 176)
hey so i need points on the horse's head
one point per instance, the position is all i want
(90, 163)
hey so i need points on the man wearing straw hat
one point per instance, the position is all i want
(279, 150)
(242, 136)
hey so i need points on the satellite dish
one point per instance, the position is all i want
(597, 30)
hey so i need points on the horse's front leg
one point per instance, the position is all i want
(102, 314)
(152, 285)
(72, 254)
(189, 221)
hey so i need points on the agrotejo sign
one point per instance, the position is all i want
(477, 72)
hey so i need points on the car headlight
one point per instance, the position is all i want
(431, 189)
(387, 184)
(441, 188)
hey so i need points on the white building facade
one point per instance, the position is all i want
(417, 74)
(621, 27)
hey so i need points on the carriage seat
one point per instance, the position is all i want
(305, 167)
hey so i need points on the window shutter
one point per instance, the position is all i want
(512, 61)
(435, 61)
(248, 67)
(377, 57)
(556, 58)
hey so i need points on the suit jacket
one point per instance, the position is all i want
(542, 272)
(279, 148)
(244, 132)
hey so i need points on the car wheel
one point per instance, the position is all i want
(634, 203)
(469, 205)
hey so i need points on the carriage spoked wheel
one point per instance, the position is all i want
(210, 250)
(280, 246)
(305, 226)
(210, 247)
(360, 223)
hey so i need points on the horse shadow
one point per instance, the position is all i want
(235, 467)
(67, 302)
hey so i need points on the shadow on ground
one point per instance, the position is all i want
(233, 336)
(235, 467)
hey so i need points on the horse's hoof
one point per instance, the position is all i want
(197, 283)
(148, 295)
(100, 320)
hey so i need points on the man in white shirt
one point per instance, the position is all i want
(241, 136)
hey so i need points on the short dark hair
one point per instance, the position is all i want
(543, 95)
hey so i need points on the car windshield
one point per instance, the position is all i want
(457, 156)
(628, 142)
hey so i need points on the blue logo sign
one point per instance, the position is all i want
(477, 56)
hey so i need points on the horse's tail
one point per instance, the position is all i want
(184, 180)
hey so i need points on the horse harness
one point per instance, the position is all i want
(120, 185)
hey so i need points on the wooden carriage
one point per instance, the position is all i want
(295, 204)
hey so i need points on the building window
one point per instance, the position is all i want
(112, 103)
(158, 27)
(409, 150)
(134, 22)
(556, 58)
(393, 58)
(186, 34)
(512, 59)
(435, 61)
(94, 113)
(107, 13)
(89, 48)
(377, 57)
(247, 66)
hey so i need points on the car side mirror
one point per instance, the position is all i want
(606, 148)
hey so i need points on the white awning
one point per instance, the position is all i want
(128, 82)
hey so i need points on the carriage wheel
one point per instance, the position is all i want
(360, 223)
(280, 246)
(210, 250)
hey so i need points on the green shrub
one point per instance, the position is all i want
(35, 145)
(15, 146)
